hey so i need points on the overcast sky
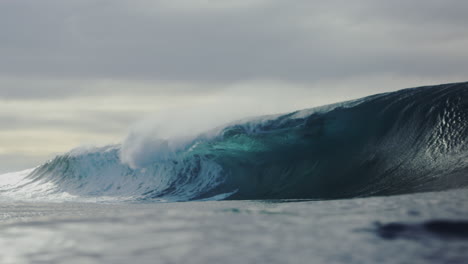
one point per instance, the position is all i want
(83, 71)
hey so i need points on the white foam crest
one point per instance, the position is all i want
(84, 175)
(18, 186)
(327, 108)
(159, 137)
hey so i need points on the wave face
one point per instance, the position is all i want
(407, 141)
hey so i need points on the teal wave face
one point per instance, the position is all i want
(407, 141)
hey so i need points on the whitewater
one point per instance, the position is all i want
(383, 178)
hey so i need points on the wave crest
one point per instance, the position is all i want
(402, 142)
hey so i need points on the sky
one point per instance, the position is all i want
(84, 72)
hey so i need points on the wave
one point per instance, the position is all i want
(408, 141)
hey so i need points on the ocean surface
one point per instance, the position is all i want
(381, 179)
(417, 228)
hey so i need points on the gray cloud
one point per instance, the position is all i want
(80, 71)
(296, 41)
(50, 87)
(15, 162)
(87, 121)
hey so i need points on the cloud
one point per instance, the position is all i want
(19, 161)
(37, 87)
(83, 71)
(198, 41)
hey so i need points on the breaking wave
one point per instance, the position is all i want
(408, 141)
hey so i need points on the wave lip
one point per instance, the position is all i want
(407, 141)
